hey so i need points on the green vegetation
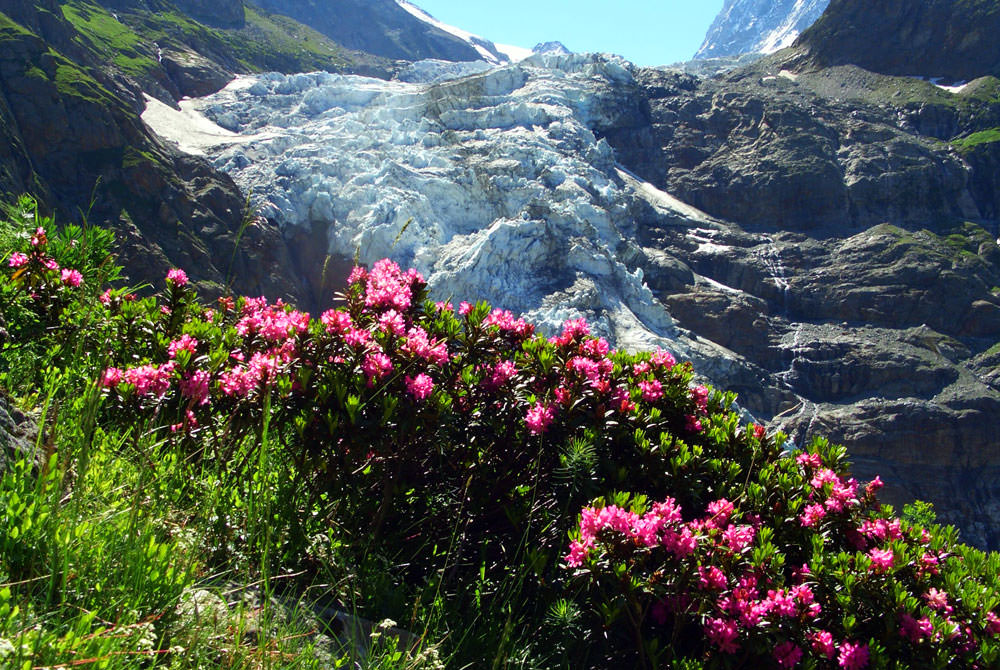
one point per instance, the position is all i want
(209, 484)
(958, 245)
(969, 142)
(102, 33)
(266, 42)
(273, 42)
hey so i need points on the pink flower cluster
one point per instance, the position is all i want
(38, 263)
(661, 526)
(538, 418)
(387, 286)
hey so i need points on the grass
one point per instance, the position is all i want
(119, 551)
(959, 244)
(969, 142)
(266, 42)
(110, 38)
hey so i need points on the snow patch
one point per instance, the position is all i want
(515, 54)
(486, 49)
(956, 87)
(187, 127)
(661, 200)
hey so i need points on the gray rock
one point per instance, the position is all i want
(17, 436)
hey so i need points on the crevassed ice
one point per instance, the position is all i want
(493, 184)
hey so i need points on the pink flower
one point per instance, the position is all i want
(577, 553)
(388, 286)
(882, 559)
(738, 538)
(50, 264)
(239, 381)
(195, 386)
(722, 634)
(357, 338)
(938, 600)
(150, 379)
(420, 387)
(418, 344)
(692, 424)
(105, 298)
(71, 278)
(928, 565)
(813, 461)
(700, 396)
(663, 359)
(501, 373)
(392, 322)
(853, 656)
(823, 477)
(651, 390)
(178, 277)
(336, 321)
(916, 630)
(758, 431)
(464, 308)
(621, 400)
(111, 377)
(718, 513)
(358, 274)
(811, 515)
(787, 654)
(376, 366)
(992, 623)
(641, 368)
(782, 602)
(17, 259)
(874, 485)
(711, 578)
(538, 418)
(575, 328)
(680, 544)
(822, 643)
(595, 348)
(184, 343)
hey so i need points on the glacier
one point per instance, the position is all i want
(491, 181)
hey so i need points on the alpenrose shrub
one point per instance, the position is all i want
(435, 427)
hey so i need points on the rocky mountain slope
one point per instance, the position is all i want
(937, 38)
(758, 26)
(72, 76)
(380, 27)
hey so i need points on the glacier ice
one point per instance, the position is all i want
(489, 180)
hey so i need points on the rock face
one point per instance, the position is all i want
(840, 270)
(17, 436)
(551, 48)
(75, 134)
(863, 277)
(932, 38)
(758, 26)
(379, 27)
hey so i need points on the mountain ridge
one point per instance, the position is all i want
(758, 26)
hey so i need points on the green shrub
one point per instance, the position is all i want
(449, 454)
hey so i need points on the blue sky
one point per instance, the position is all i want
(647, 32)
